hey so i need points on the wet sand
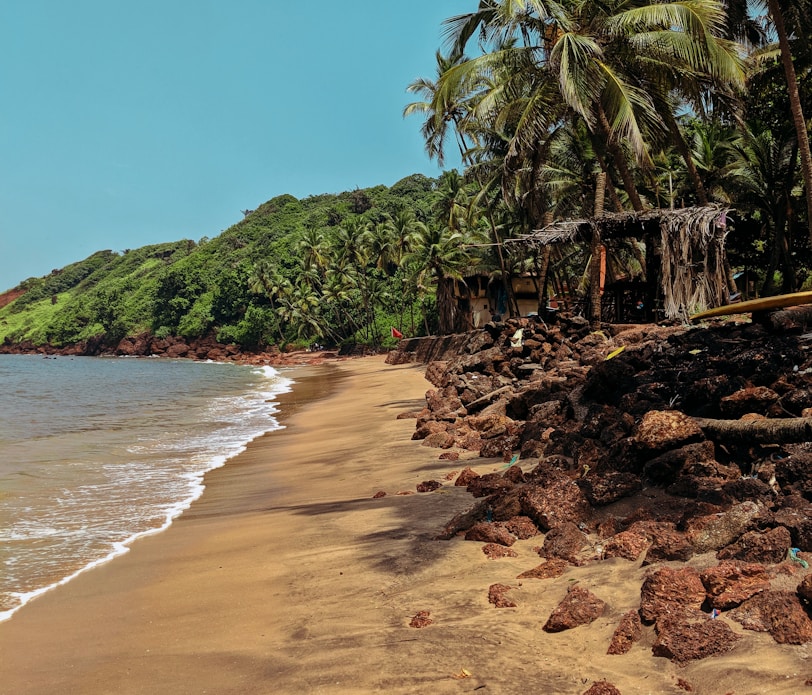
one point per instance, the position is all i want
(286, 576)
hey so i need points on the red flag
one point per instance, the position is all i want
(396, 333)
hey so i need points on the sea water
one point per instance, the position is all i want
(96, 452)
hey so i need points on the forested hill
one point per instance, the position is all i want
(321, 269)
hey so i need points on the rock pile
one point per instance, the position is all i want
(652, 444)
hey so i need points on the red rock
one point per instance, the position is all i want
(421, 619)
(668, 544)
(439, 440)
(666, 429)
(490, 532)
(804, 589)
(468, 474)
(490, 426)
(546, 570)
(602, 688)
(522, 527)
(628, 631)
(444, 404)
(379, 494)
(427, 427)
(490, 483)
(756, 399)
(552, 504)
(718, 530)
(429, 486)
(666, 590)
(610, 487)
(626, 544)
(564, 541)
(768, 547)
(799, 523)
(730, 583)
(495, 551)
(450, 456)
(688, 634)
(579, 607)
(778, 612)
(496, 596)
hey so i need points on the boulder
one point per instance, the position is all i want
(756, 399)
(609, 487)
(565, 542)
(667, 589)
(522, 527)
(718, 530)
(487, 532)
(666, 429)
(579, 607)
(464, 479)
(550, 505)
(778, 612)
(688, 634)
(626, 544)
(767, 547)
(628, 631)
(421, 619)
(731, 583)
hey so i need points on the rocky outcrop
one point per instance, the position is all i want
(610, 455)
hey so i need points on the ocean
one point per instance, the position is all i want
(96, 452)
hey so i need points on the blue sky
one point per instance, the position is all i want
(132, 123)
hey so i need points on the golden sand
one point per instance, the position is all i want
(287, 577)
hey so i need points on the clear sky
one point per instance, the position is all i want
(131, 123)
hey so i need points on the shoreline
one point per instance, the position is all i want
(286, 576)
(92, 633)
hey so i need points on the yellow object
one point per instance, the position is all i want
(615, 353)
(780, 301)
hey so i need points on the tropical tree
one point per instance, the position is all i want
(777, 15)
(440, 256)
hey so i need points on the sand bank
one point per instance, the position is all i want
(287, 577)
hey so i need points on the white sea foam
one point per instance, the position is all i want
(117, 467)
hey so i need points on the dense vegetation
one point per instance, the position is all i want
(552, 105)
(330, 268)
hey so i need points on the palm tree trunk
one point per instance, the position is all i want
(618, 205)
(620, 161)
(685, 153)
(795, 106)
(595, 264)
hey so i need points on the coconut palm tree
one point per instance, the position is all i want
(777, 16)
(439, 255)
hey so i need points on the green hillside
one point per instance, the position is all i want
(317, 269)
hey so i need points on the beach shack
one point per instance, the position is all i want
(681, 263)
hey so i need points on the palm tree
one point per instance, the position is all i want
(440, 112)
(777, 16)
(440, 255)
(604, 60)
(764, 173)
(266, 280)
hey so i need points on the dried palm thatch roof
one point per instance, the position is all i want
(691, 246)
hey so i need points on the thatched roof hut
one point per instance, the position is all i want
(689, 241)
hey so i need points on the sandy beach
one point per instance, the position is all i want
(286, 576)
